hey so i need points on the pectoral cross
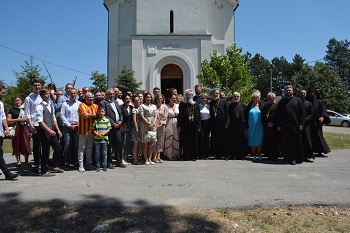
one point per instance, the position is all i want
(215, 115)
(267, 115)
(237, 115)
(190, 118)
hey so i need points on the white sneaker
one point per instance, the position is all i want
(152, 163)
(147, 163)
(124, 163)
(81, 169)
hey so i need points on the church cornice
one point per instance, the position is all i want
(172, 36)
(233, 3)
(121, 2)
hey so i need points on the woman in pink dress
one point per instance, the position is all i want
(171, 145)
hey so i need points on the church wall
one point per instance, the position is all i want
(139, 36)
(127, 27)
(189, 16)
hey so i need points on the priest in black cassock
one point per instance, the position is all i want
(189, 124)
(271, 146)
(237, 142)
(290, 122)
(219, 122)
(305, 133)
(320, 117)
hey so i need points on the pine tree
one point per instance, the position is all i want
(126, 81)
(329, 85)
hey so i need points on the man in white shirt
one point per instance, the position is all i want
(70, 118)
(8, 175)
(30, 104)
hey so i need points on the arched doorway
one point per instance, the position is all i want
(171, 76)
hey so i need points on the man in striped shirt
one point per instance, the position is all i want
(87, 112)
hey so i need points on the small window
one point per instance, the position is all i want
(171, 22)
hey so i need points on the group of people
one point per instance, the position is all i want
(89, 130)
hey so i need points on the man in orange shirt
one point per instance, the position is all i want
(87, 113)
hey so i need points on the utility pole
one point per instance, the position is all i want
(271, 80)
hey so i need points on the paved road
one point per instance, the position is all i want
(200, 184)
(335, 129)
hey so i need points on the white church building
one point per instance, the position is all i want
(165, 41)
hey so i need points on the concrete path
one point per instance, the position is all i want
(335, 129)
(200, 184)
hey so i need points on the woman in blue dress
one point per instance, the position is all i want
(254, 125)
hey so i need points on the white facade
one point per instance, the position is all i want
(148, 35)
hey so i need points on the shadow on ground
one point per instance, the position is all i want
(59, 216)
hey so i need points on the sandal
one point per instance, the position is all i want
(19, 165)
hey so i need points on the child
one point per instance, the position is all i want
(101, 128)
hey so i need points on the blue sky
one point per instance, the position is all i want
(73, 34)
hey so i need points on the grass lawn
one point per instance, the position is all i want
(61, 217)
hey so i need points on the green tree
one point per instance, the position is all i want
(329, 85)
(338, 58)
(99, 82)
(126, 81)
(24, 78)
(30, 71)
(260, 70)
(228, 72)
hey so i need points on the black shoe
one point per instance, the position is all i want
(227, 158)
(110, 166)
(308, 161)
(121, 165)
(11, 176)
(48, 174)
(293, 162)
(56, 169)
(36, 170)
(136, 162)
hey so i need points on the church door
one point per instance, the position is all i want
(171, 77)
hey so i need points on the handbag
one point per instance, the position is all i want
(151, 136)
(123, 128)
(12, 131)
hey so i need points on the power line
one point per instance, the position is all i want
(315, 61)
(64, 67)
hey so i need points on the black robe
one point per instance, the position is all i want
(289, 117)
(271, 146)
(189, 128)
(319, 144)
(305, 133)
(218, 119)
(237, 141)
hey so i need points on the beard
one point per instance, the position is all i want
(216, 98)
(289, 95)
(190, 101)
(236, 101)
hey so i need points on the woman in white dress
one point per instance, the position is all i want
(171, 145)
(148, 115)
(135, 132)
(162, 110)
